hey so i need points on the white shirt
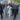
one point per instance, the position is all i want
(9, 11)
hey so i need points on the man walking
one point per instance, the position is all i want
(14, 10)
(1, 11)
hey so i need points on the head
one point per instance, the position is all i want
(9, 4)
(14, 3)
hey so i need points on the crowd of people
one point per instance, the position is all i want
(12, 6)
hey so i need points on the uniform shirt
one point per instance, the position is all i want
(15, 7)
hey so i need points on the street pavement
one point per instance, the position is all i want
(11, 17)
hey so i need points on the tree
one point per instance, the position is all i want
(17, 0)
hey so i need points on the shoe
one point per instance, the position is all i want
(2, 17)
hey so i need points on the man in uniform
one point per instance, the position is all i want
(15, 10)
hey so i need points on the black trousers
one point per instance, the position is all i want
(1, 14)
(14, 16)
(15, 13)
(12, 11)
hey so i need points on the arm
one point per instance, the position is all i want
(18, 5)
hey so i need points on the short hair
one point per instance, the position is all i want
(9, 5)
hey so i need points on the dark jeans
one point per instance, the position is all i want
(1, 14)
(15, 13)
(12, 11)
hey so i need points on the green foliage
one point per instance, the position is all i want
(17, 0)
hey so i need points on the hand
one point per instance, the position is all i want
(12, 8)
